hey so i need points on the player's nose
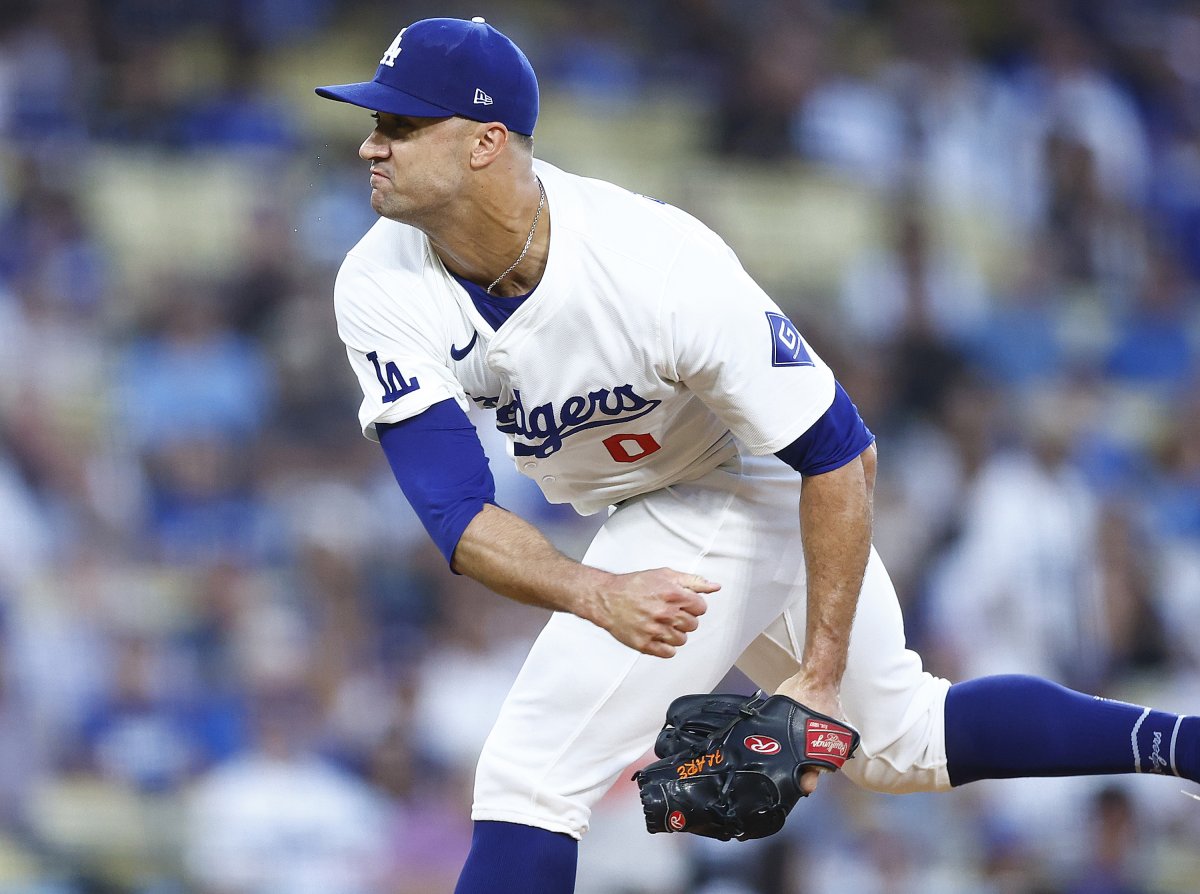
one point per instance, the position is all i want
(374, 146)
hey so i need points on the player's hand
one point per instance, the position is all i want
(819, 696)
(652, 611)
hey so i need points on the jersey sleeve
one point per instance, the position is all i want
(441, 466)
(395, 339)
(833, 440)
(725, 339)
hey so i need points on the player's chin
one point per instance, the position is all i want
(388, 204)
(379, 201)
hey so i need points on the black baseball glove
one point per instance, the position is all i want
(730, 765)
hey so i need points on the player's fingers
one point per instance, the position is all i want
(669, 636)
(809, 779)
(686, 622)
(696, 606)
(698, 584)
(672, 636)
(659, 649)
(679, 611)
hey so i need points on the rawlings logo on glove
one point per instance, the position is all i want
(730, 766)
(832, 741)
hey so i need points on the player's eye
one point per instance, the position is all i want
(391, 125)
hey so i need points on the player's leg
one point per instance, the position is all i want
(1076, 734)
(921, 734)
(886, 694)
(515, 857)
(584, 707)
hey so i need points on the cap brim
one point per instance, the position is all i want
(382, 98)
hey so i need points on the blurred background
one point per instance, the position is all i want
(230, 661)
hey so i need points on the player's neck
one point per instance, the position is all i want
(489, 236)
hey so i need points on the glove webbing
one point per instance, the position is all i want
(746, 710)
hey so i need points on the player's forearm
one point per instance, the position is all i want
(835, 521)
(652, 611)
(513, 558)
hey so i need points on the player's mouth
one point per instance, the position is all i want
(377, 173)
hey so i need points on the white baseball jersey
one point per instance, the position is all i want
(644, 351)
(646, 357)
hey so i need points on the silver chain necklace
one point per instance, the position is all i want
(528, 239)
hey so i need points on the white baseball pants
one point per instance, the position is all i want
(584, 706)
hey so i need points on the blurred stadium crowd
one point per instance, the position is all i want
(230, 662)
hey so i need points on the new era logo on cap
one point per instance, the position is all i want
(436, 68)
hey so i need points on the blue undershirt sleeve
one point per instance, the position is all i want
(441, 467)
(832, 441)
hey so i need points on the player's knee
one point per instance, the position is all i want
(903, 745)
(879, 774)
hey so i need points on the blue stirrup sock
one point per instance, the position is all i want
(508, 858)
(1008, 726)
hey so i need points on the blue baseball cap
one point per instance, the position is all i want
(436, 68)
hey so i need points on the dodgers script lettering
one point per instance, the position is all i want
(545, 426)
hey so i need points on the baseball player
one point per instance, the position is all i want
(636, 368)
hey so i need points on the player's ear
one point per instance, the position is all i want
(488, 143)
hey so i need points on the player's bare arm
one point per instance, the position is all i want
(835, 521)
(651, 611)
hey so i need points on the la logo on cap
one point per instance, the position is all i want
(389, 57)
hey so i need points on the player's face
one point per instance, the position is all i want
(417, 165)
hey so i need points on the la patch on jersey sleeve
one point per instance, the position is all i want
(391, 341)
